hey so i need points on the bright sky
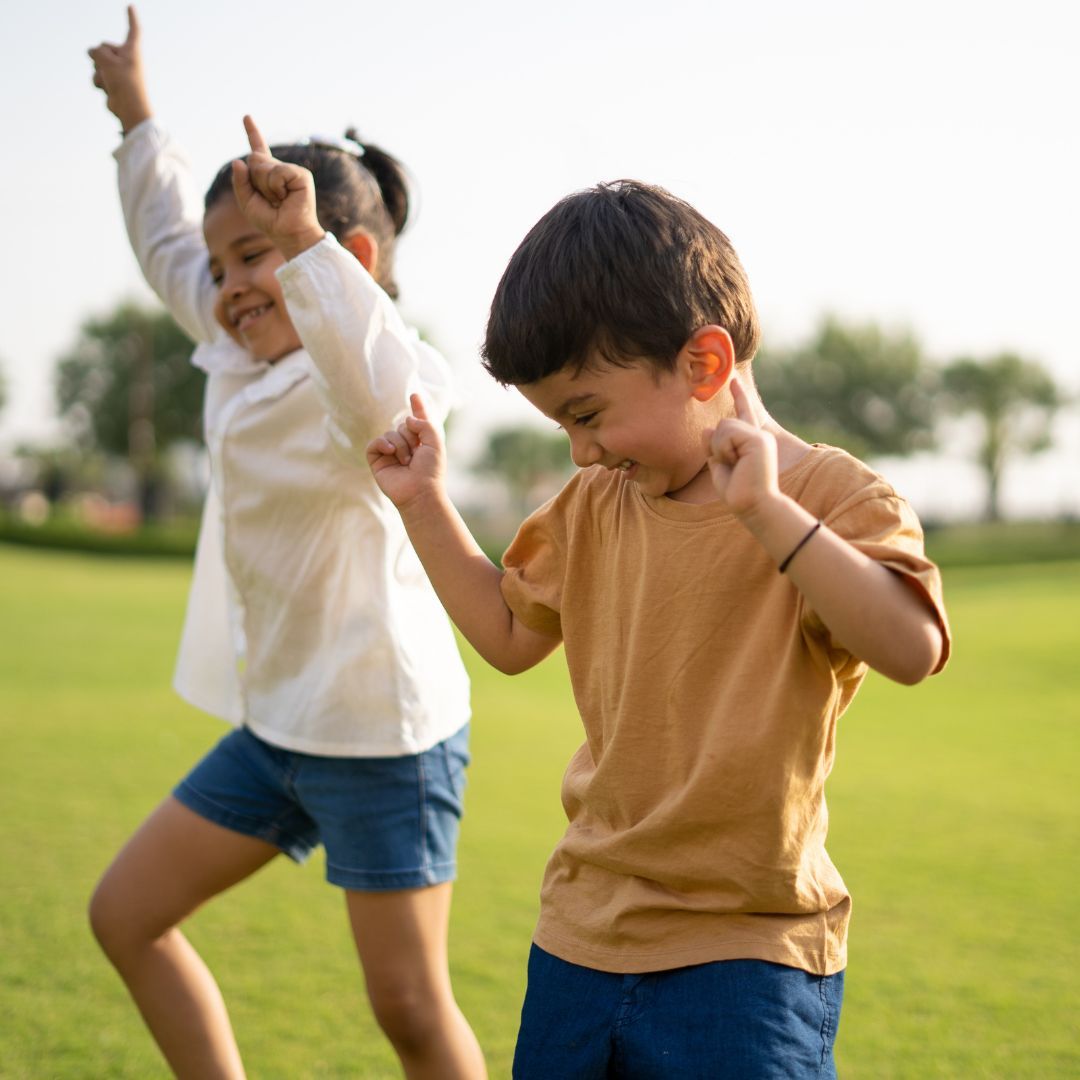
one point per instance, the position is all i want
(912, 163)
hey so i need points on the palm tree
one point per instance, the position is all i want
(1016, 400)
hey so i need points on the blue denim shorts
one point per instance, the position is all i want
(385, 822)
(729, 1020)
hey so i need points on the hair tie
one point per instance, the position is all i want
(332, 142)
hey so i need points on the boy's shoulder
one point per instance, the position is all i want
(829, 482)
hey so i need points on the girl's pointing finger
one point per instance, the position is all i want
(255, 138)
(134, 30)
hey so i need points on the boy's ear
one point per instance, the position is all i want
(710, 354)
(364, 246)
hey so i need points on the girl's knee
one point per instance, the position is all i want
(409, 1015)
(107, 919)
(118, 921)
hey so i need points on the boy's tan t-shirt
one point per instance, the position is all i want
(709, 691)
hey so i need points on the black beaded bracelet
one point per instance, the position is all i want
(799, 546)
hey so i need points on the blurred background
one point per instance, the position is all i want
(900, 183)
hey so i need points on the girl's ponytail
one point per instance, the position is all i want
(389, 174)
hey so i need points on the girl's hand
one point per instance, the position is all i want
(742, 457)
(276, 197)
(118, 71)
(409, 462)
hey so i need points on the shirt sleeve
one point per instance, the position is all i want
(163, 214)
(367, 361)
(882, 525)
(535, 565)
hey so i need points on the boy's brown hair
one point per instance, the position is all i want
(623, 271)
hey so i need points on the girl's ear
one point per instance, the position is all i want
(364, 246)
(710, 353)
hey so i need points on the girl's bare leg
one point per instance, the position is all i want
(174, 862)
(401, 937)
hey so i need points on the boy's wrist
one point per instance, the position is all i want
(767, 512)
(777, 523)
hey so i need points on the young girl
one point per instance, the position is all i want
(310, 624)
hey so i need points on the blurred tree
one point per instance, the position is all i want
(866, 389)
(3, 388)
(524, 458)
(1015, 398)
(126, 387)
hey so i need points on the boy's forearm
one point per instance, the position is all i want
(469, 585)
(867, 608)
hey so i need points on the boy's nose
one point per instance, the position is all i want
(584, 451)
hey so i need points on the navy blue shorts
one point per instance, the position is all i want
(729, 1020)
(385, 822)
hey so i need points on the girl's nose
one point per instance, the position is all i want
(233, 283)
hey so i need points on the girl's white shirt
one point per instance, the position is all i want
(310, 618)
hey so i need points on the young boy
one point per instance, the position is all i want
(691, 924)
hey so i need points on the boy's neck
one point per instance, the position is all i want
(790, 450)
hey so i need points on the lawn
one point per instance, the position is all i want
(954, 823)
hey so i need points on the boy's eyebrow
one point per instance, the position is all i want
(571, 403)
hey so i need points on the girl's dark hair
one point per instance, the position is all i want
(623, 272)
(351, 192)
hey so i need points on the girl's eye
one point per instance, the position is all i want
(217, 277)
(251, 256)
(585, 419)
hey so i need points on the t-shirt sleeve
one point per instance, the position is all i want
(535, 565)
(882, 525)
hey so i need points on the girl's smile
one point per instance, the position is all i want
(249, 304)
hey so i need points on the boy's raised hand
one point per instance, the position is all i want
(742, 457)
(118, 71)
(410, 461)
(277, 197)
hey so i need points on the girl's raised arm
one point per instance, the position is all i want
(277, 197)
(162, 210)
(118, 70)
(367, 361)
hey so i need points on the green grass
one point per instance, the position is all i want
(954, 823)
(977, 544)
(1002, 542)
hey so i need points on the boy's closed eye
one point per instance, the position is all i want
(580, 421)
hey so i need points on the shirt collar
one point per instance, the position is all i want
(279, 377)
